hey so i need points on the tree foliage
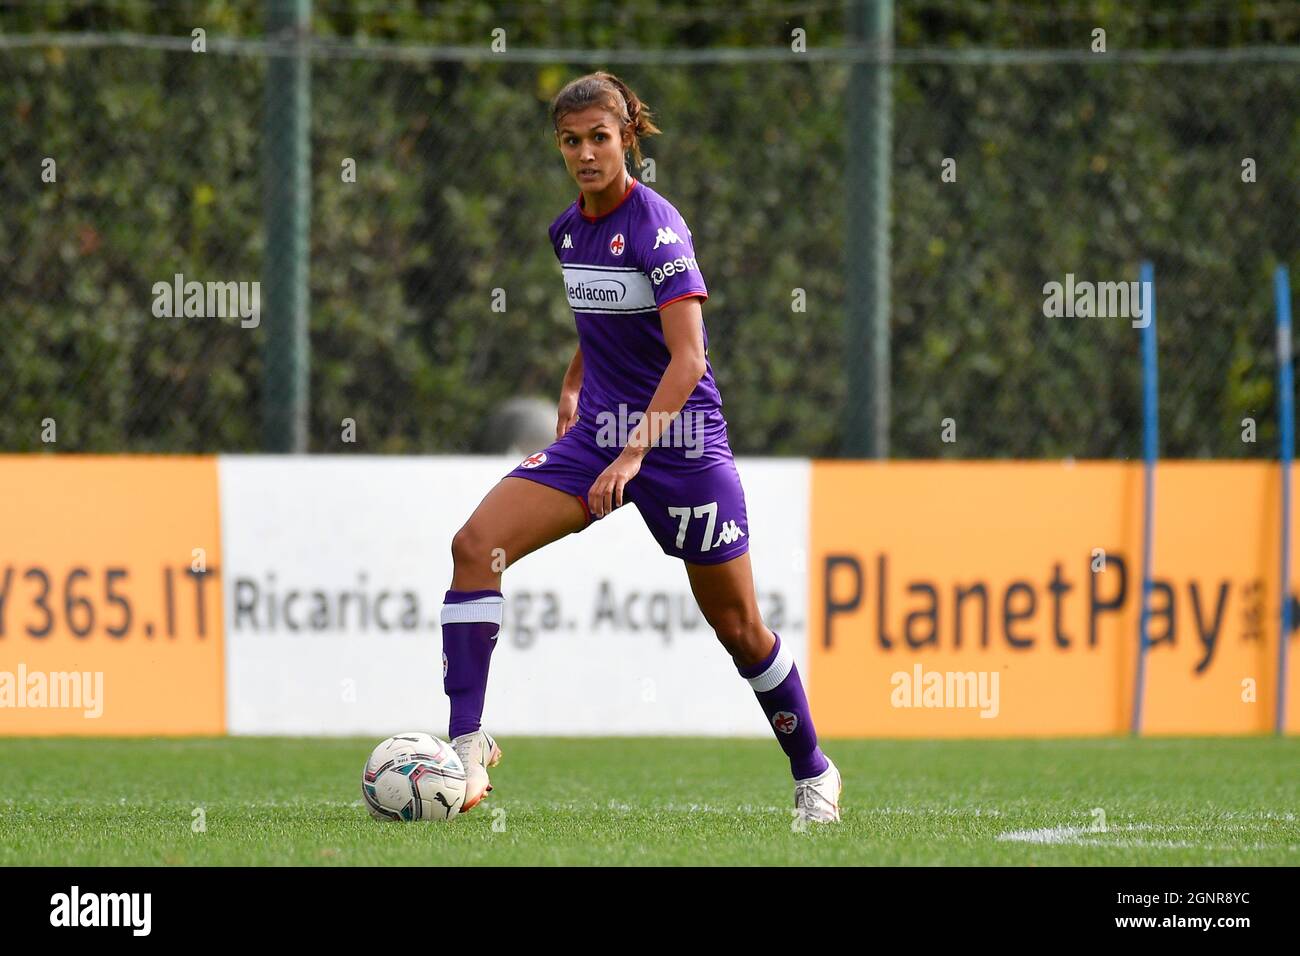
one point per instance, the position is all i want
(1083, 167)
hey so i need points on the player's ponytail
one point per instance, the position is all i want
(607, 90)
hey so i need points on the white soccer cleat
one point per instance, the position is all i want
(817, 799)
(477, 751)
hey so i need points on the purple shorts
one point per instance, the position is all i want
(688, 490)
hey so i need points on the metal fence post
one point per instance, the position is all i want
(866, 432)
(287, 162)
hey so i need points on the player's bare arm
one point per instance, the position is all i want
(567, 414)
(683, 324)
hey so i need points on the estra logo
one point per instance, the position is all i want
(672, 267)
(785, 722)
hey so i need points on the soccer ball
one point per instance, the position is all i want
(413, 776)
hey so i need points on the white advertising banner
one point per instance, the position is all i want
(335, 570)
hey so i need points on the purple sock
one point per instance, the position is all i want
(470, 622)
(780, 693)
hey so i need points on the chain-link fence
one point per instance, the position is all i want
(434, 294)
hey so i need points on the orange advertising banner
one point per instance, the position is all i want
(964, 599)
(110, 607)
(945, 599)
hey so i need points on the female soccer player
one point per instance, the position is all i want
(635, 289)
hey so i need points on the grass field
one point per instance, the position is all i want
(659, 801)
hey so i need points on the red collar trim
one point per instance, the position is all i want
(604, 214)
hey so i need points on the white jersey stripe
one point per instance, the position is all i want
(594, 289)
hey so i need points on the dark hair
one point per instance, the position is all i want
(607, 90)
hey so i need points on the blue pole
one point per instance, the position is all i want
(1286, 412)
(1150, 451)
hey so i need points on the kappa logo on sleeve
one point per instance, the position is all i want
(666, 237)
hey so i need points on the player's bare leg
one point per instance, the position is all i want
(726, 595)
(516, 517)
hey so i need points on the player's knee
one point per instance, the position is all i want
(470, 548)
(738, 630)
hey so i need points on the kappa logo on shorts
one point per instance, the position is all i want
(729, 533)
(785, 721)
(532, 461)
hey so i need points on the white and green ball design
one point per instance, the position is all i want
(413, 776)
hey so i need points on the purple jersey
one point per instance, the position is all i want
(620, 269)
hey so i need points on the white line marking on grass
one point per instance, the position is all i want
(1044, 835)
(1083, 836)
(1080, 836)
(937, 811)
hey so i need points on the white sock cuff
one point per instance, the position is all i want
(486, 610)
(776, 672)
